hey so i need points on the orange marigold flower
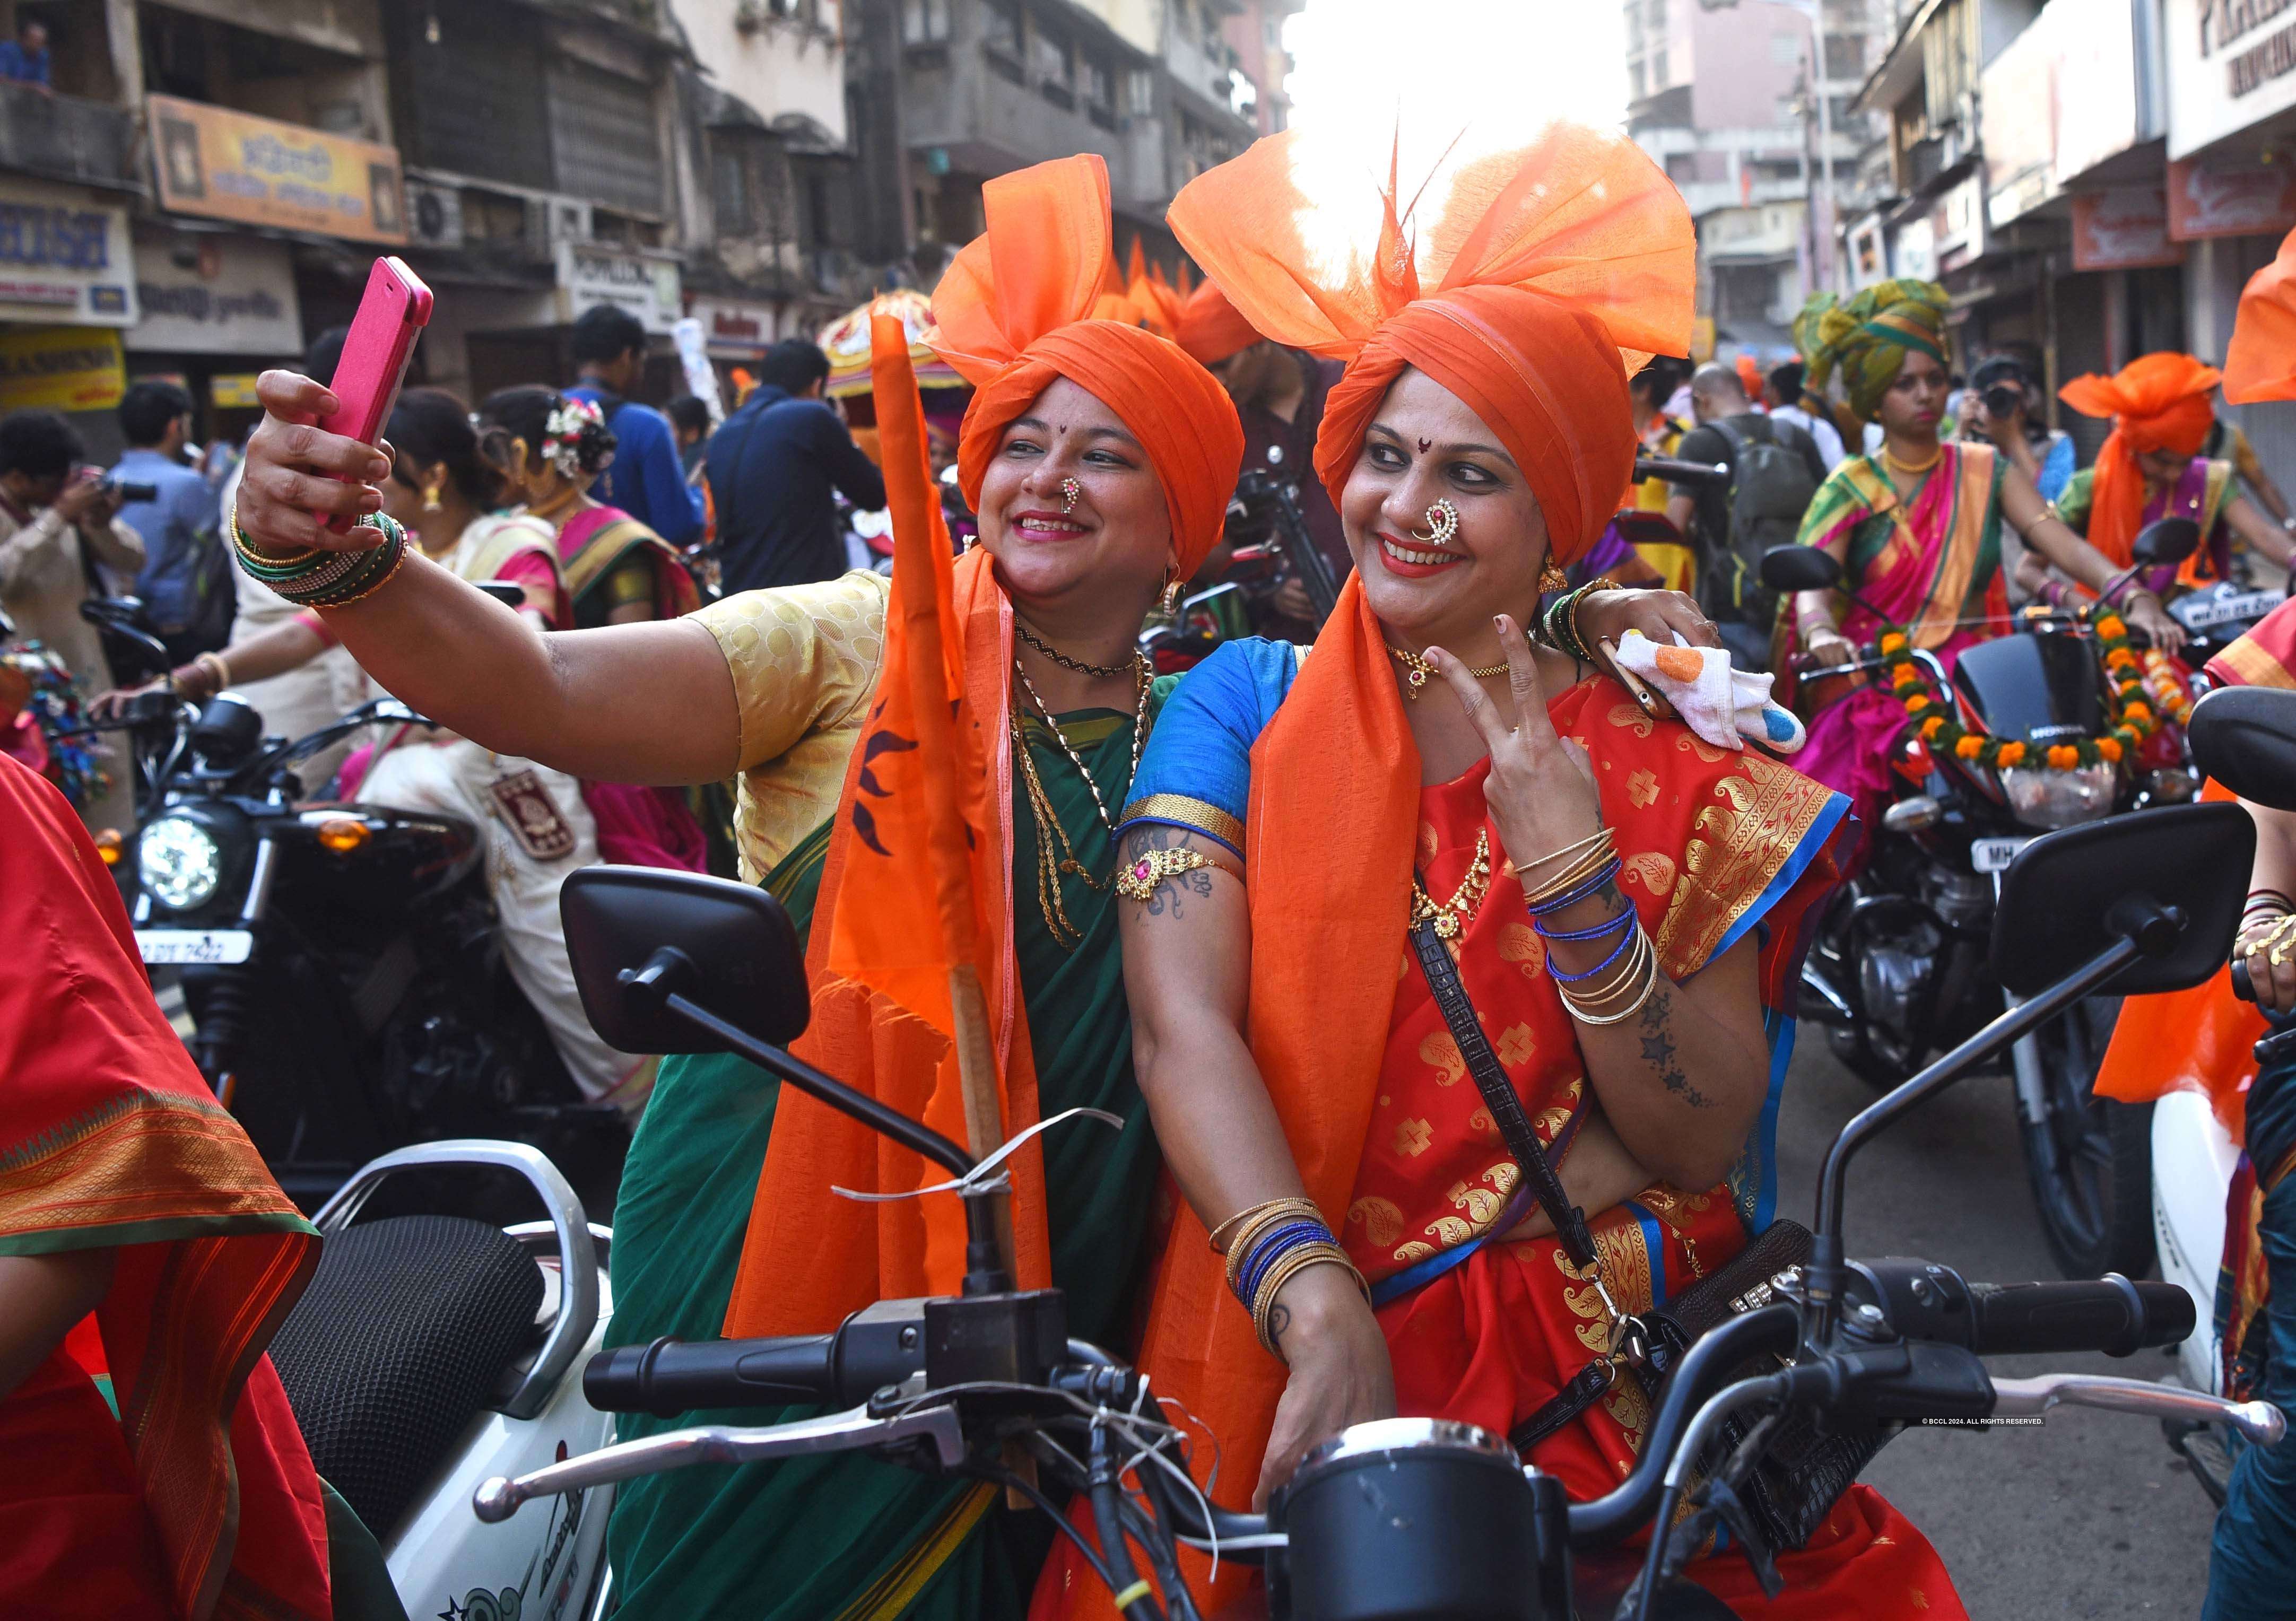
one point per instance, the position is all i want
(1969, 746)
(1905, 675)
(2119, 659)
(2109, 749)
(2111, 627)
(2011, 754)
(1892, 641)
(2136, 714)
(2064, 757)
(1929, 726)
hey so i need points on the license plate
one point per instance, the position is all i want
(195, 946)
(2230, 610)
(1995, 855)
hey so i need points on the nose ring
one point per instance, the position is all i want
(1442, 525)
(1069, 490)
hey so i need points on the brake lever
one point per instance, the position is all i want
(2260, 1421)
(852, 1430)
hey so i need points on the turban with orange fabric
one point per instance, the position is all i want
(2157, 402)
(1012, 314)
(1554, 270)
(1212, 329)
(2260, 362)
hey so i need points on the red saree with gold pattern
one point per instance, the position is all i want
(199, 1500)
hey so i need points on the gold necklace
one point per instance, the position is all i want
(1452, 917)
(1908, 467)
(1417, 670)
(1051, 863)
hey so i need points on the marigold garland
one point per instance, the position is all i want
(1934, 717)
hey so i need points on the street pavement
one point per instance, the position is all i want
(2089, 1514)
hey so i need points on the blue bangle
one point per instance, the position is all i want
(1271, 1247)
(1617, 952)
(1595, 933)
(1593, 886)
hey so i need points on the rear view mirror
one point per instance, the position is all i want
(2246, 738)
(2069, 894)
(510, 593)
(742, 958)
(1799, 568)
(2170, 540)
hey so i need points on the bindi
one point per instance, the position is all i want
(1424, 444)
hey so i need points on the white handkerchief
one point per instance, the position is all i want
(1720, 704)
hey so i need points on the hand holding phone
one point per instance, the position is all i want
(392, 315)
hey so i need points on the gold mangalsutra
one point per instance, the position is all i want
(1908, 468)
(1442, 525)
(1452, 917)
(1417, 670)
(1056, 855)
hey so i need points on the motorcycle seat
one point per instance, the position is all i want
(401, 1338)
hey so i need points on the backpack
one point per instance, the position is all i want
(1770, 490)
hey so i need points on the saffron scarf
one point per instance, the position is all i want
(110, 1139)
(2157, 402)
(1011, 315)
(2260, 361)
(1552, 271)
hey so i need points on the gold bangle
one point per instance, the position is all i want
(1569, 850)
(1319, 1254)
(1644, 965)
(1288, 1206)
(1576, 875)
(1272, 1215)
(1137, 880)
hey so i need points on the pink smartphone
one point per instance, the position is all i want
(391, 316)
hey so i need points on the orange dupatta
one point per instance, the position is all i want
(2157, 402)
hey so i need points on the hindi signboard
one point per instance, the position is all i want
(223, 164)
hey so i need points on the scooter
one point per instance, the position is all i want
(1400, 1517)
(431, 1352)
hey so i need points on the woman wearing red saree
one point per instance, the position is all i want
(154, 1472)
(1916, 526)
(1293, 818)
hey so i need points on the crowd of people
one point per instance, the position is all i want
(1302, 1222)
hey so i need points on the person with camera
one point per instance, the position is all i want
(187, 580)
(62, 544)
(2001, 407)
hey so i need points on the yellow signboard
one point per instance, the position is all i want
(231, 165)
(1701, 338)
(61, 368)
(233, 390)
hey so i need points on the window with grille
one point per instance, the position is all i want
(924, 21)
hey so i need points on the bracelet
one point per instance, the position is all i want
(1292, 1207)
(1271, 1215)
(1540, 927)
(2275, 940)
(1593, 886)
(1272, 1248)
(1591, 839)
(1596, 853)
(1626, 943)
(1136, 880)
(1594, 1008)
(315, 579)
(1601, 583)
(217, 669)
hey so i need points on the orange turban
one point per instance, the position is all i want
(2157, 402)
(1212, 329)
(2260, 364)
(1013, 312)
(1557, 268)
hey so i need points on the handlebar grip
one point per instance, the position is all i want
(2110, 1314)
(670, 1376)
(2241, 986)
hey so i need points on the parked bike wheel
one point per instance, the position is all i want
(2090, 1158)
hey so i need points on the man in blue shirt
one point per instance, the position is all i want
(25, 58)
(186, 584)
(647, 478)
(772, 466)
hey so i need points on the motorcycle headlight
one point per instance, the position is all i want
(179, 862)
(2050, 800)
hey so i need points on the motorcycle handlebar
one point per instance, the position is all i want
(2110, 1314)
(668, 1376)
(2242, 985)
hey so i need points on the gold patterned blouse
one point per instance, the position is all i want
(804, 660)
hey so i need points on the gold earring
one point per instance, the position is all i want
(1172, 594)
(1552, 578)
(430, 493)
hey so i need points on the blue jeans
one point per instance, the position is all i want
(2252, 1560)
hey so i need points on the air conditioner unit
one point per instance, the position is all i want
(569, 220)
(434, 215)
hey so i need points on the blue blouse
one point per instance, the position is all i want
(1196, 771)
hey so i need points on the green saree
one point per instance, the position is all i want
(850, 1537)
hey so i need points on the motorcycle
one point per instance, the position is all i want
(1399, 1517)
(431, 1352)
(1899, 966)
(340, 961)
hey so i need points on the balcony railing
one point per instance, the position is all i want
(62, 137)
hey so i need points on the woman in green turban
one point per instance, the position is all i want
(1916, 526)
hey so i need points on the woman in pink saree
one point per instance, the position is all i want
(1916, 527)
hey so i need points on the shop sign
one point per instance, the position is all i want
(234, 391)
(2125, 228)
(223, 164)
(1869, 257)
(61, 368)
(2230, 200)
(1913, 253)
(64, 261)
(2231, 62)
(736, 330)
(648, 288)
(217, 295)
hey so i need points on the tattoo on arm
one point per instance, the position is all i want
(1659, 1052)
(1279, 1318)
(1170, 893)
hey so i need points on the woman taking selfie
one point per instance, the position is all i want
(1429, 802)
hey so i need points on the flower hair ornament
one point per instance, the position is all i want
(573, 420)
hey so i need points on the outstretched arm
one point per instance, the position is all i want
(2046, 533)
(629, 703)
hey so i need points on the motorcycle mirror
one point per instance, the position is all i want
(742, 962)
(2246, 738)
(1795, 568)
(228, 731)
(392, 709)
(2170, 540)
(2070, 894)
(510, 593)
